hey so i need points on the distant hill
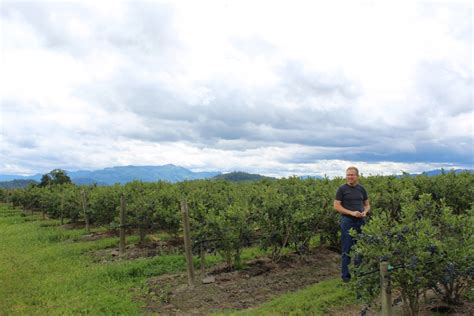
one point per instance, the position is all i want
(10, 177)
(16, 184)
(310, 177)
(87, 181)
(437, 172)
(440, 171)
(170, 173)
(109, 176)
(239, 176)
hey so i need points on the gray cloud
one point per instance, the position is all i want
(444, 88)
(235, 114)
(301, 85)
(259, 117)
(149, 97)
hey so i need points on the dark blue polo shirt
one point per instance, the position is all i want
(352, 198)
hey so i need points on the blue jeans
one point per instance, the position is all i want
(347, 242)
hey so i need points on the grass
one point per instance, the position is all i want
(317, 299)
(48, 270)
(45, 269)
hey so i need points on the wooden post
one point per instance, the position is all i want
(187, 243)
(86, 218)
(141, 233)
(122, 224)
(386, 288)
(202, 254)
(62, 210)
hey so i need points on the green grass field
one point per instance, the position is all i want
(47, 270)
(44, 270)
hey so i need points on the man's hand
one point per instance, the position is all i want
(366, 208)
(338, 207)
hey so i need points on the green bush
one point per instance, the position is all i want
(428, 246)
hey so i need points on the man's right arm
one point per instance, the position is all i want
(344, 211)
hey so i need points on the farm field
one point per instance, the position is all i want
(46, 269)
(236, 158)
(267, 246)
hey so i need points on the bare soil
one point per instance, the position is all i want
(99, 235)
(259, 282)
(135, 251)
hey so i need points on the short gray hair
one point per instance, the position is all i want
(353, 168)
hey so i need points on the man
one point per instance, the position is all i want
(352, 202)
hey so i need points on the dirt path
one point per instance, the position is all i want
(259, 282)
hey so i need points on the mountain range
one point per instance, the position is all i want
(124, 174)
(169, 172)
(239, 176)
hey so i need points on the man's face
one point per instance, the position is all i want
(351, 177)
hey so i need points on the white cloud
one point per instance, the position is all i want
(272, 87)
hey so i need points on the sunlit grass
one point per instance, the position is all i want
(49, 270)
(46, 269)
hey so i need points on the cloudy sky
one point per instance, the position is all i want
(274, 87)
